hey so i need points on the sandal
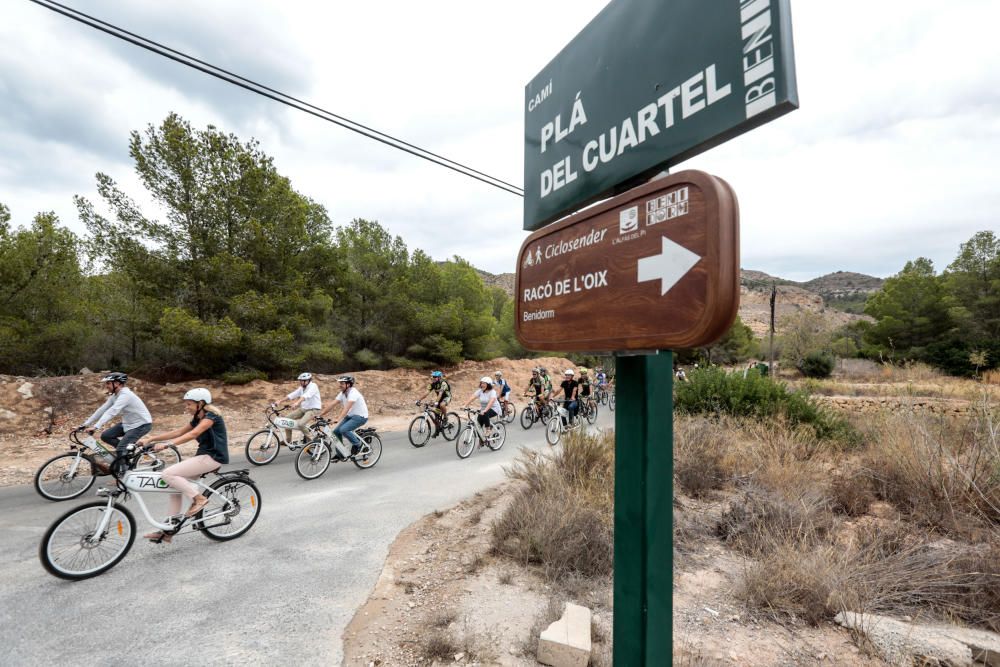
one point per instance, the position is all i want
(197, 505)
(158, 537)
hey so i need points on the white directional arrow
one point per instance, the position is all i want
(673, 262)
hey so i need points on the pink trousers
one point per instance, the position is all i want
(177, 475)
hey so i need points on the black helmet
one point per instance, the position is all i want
(115, 377)
(349, 379)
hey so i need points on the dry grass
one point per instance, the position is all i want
(699, 452)
(561, 519)
(439, 646)
(805, 562)
(852, 494)
(943, 473)
(887, 570)
(762, 521)
(991, 377)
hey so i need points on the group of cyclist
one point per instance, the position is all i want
(208, 427)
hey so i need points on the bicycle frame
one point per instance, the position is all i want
(137, 483)
(475, 422)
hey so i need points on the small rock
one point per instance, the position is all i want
(25, 390)
(459, 656)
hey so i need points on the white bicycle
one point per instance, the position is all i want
(262, 447)
(92, 538)
(69, 475)
(560, 423)
(472, 433)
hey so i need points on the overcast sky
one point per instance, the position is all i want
(894, 153)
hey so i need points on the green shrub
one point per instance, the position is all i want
(713, 391)
(243, 375)
(817, 365)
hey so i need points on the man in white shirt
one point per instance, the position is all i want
(136, 420)
(353, 414)
(305, 404)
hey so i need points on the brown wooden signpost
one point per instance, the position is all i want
(654, 268)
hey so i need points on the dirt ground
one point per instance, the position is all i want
(37, 413)
(442, 598)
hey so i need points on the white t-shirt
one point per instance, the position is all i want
(310, 397)
(484, 399)
(360, 408)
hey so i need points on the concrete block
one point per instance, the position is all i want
(566, 642)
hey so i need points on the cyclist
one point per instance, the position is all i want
(546, 382)
(535, 385)
(503, 389)
(353, 414)
(207, 427)
(584, 383)
(488, 405)
(305, 403)
(602, 378)
(442, 388)
(136, 420)
(570, 389)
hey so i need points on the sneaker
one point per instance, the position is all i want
(355, 449)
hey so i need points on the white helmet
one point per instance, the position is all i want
(498, 374)
(569, 371)
(198, 394)
(486, 380)
(305, 376)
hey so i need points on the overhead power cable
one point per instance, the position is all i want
(276, 95)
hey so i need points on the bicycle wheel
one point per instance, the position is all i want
(545, 414)
(498, 437)
(229, 521)
(262, 447)
(509, 413)
(420, 431)
(611, 402)
(313, 460)
(56, 479)
(451, 427)
(71, 549)
(591, 412)
(527, 417)
(371, 451)
(553, 430)
(466, 441)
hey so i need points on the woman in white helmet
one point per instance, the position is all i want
(489, 405)
(305, 404)
(209, 429)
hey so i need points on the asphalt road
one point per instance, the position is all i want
(282, 593)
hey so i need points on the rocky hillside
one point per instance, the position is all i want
(504, 281)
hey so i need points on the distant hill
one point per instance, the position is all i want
(502, 280)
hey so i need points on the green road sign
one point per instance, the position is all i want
(646, 85)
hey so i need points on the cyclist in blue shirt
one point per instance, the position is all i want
(503, 389)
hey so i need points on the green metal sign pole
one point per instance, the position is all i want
(644, 472)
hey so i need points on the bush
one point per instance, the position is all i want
(817, 365)
(699, 450)
(762, 521)
(243, 375)
(939, 471)
(561, 519)
(713, 391)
